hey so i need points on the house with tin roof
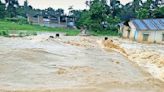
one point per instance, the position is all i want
(144, 30)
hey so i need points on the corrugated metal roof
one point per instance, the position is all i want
(149, 24)
(139, 24)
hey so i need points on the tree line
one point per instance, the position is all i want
(103, 16)
(100, 15)
(12, 9)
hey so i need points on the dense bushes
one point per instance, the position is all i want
(17, 20)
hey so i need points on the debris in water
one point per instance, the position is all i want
(51, 36)
(57, 35)
(106, 38)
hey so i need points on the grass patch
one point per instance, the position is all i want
(7, 27)
(12, 26)
(4, 33)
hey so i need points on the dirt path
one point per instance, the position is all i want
(68, 64)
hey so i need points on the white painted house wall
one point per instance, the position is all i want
(154, 35)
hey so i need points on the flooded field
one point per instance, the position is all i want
(69, 64)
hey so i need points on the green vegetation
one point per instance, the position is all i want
(2, 10)
(4, 33)
(101, 18)
(7, 27)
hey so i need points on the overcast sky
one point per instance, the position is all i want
(77, 4)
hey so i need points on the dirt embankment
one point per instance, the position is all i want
(149, 56)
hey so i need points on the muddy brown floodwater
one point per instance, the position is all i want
(68, 64)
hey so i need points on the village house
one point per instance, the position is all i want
(146, 30)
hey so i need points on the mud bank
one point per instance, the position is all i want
(149, 56)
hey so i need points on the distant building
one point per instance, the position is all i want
(146, 30)
(62, 21)
(37, 19)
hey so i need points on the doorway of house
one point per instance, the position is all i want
(128, 33)
(145, 37)
(162, 37)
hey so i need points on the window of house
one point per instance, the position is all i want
(162, 37)
(145, 37)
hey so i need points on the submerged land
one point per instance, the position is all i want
(51, 50)
(79, 64)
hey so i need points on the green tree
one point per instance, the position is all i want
(84, 20)
(76, 14)
(142, 13)
(23, 10)
(26, 7)
(59, 12)
(98, 14)
(11, 5)
(113, 22)
(99, 18)
(115, 7)
(49, 12)
(158, 12)
(136, 4)
(2, 10)
(127, 12)
(148, 4)
(20, 11)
